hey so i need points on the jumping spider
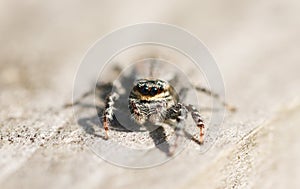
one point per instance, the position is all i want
(154, 101)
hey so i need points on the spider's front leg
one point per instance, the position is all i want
(179, 113)
(108, 113)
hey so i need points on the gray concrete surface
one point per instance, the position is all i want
(255, 43)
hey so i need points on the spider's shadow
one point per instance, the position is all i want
(88, 124)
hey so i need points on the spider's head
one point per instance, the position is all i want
(150, 88)
(150, 98)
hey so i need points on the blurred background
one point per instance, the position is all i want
(255, 43)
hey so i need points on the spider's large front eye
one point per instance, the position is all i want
(144, 90)
(153, 91)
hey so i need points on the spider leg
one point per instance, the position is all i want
(182, 93)
(76, 102)
(216, 96)
(198, 120)
(178, 112)
(108, 114)
(99, 87)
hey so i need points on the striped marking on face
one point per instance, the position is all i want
(151, 90)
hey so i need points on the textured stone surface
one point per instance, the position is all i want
(256, 45)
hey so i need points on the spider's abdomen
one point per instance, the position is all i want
(149, 100)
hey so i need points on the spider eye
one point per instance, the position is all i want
(144, 90)
(153, 91)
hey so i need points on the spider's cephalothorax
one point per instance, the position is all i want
(150, 99)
